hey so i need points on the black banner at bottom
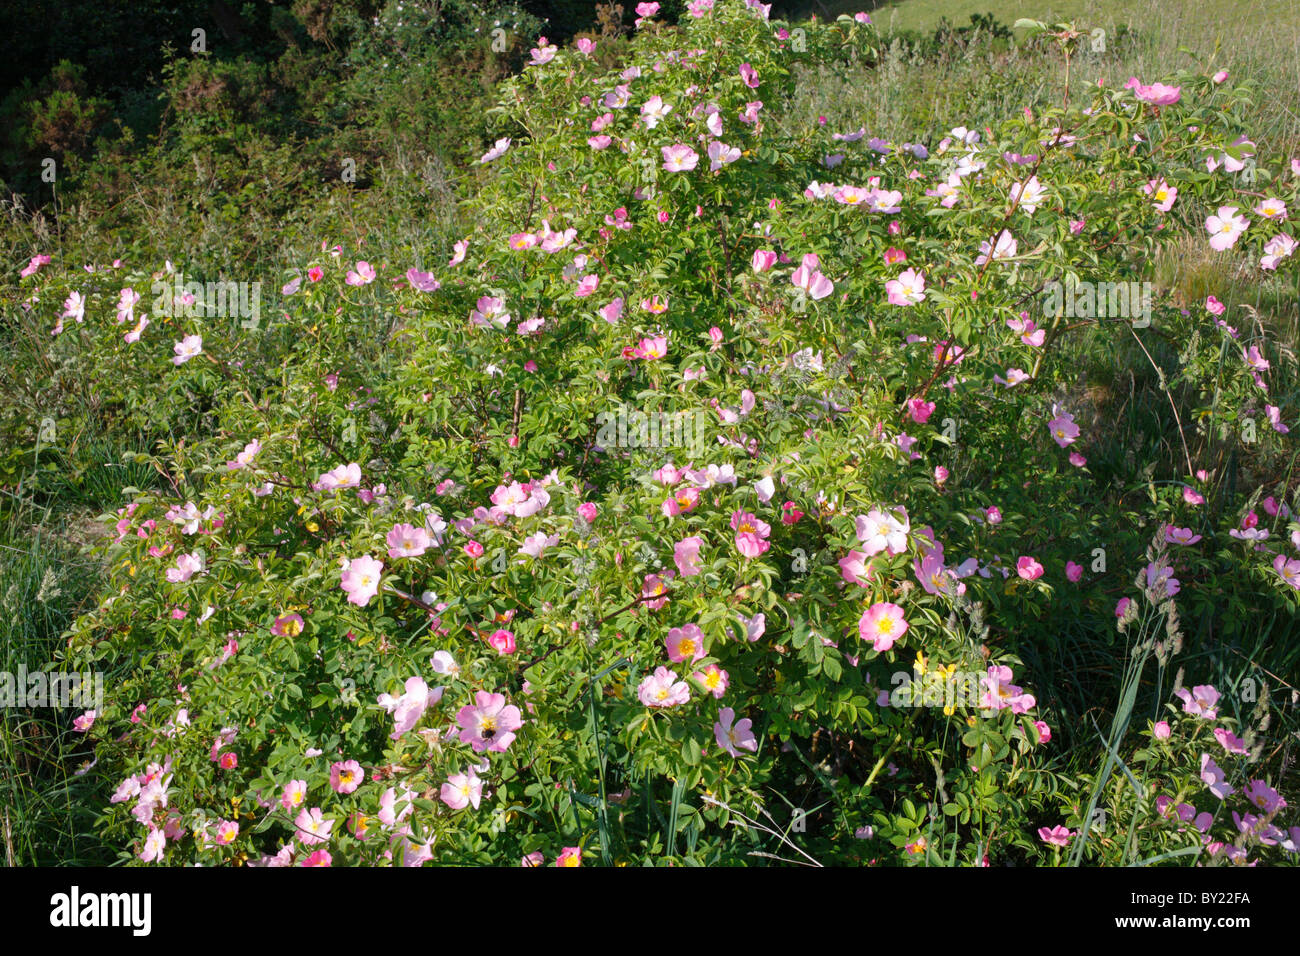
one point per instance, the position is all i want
(178, 905)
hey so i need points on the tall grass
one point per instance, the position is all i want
(50, 794)
(1259, 39)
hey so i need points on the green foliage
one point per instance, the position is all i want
(629, 359)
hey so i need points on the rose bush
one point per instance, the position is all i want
(727, 477)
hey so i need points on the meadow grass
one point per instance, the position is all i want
(907, 96)
(48, 807)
